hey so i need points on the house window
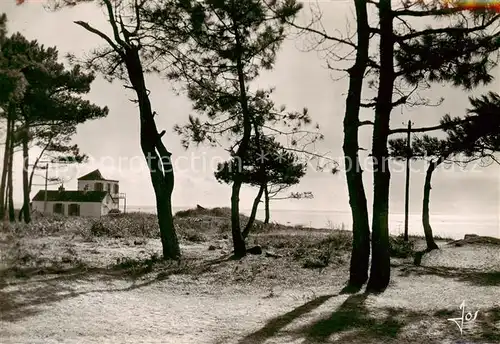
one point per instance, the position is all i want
(58, 208)
(86, 187)
(116, 188)
(98, 187)
(74, 209)
(109, 187)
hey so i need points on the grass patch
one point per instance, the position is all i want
(193, 235)
(313, 249)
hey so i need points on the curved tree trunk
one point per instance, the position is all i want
(357, 199)
(266, 205)
(238, 240)
(255, 206)
(380, 271)
(157, 156)
(429, 239)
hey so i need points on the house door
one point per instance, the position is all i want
(74, 209)
(58, 208)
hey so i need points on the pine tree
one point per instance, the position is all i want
(130, 52)
(477, 136)
(228, 44)
(268, 163)
(51, 102)
(461, 53)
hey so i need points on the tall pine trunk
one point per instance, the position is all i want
(241, 153)
(266, 205)
(429, 238)
(380, 271)
(26, 192)
(158, 158)
(5, 168)
(357, 199)
(10, 187)
(253, 214)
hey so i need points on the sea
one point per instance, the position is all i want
(443, 225)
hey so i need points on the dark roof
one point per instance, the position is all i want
(70, 196)
(95, 175)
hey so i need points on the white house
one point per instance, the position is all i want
(95, 197)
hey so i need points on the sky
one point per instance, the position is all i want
(301, 80)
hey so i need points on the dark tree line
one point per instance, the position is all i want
(395, 60)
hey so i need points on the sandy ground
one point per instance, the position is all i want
(257, 300)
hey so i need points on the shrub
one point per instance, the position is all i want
(193, 235)
(138, 266)
(98, 229)
(399, 248)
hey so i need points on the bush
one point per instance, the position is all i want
(98, 229)
(398, 248)
(138, 266)
(197, 212)
(193, 236)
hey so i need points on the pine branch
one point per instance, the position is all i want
(447, 30)
(89, 28)
(426, 13)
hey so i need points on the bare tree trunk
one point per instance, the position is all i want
(266, 205)
(255, 206)
(6, 199)
(157, 156)
(20, 215)
(429, 238)
(26, 192)
(3, 184)
(380, 271)
(238, 240)
(30, 182)
(35, 164)
(10, 192)
(357, 199)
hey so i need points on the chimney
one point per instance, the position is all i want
(61, 188)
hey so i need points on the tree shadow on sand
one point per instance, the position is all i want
(468, 275)
(41, 287)
(274, 325)
(354, 322)
(350, 320)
